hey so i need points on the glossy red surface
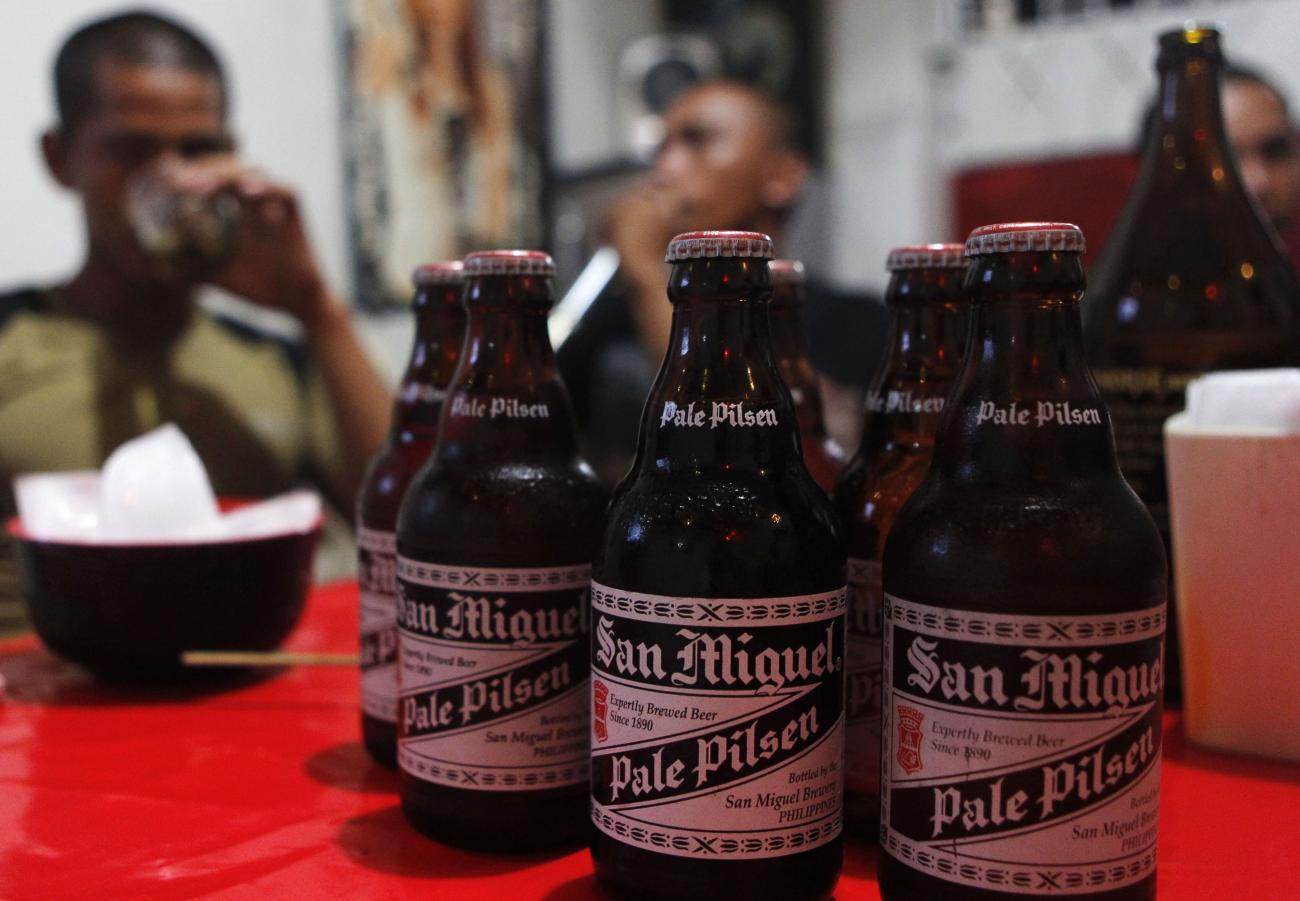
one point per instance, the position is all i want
(263, 791)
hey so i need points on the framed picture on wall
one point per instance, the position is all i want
(443, 134)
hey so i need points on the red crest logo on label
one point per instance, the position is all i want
(909, 739)
(599, 703)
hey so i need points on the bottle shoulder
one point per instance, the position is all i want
(1210, 323)
(503, 514)
(868, 504)
(509, 479)
(402, 451)
(1176, 244)
(388, 475)
(866, 474)
(736, 536)
(723, 491)
(1087, 546)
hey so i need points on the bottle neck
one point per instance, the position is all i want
(790, 352)
(1025, 409)
(439, 333)
(506, 400)
(719, 399)
(927, 331)
(1188, 142)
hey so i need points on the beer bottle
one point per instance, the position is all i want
(718, 603)
(494, 543)
(439, 329)
(1024, 615)
(1192, 279)
(821, 455)
(927, 328)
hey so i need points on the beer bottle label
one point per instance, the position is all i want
(377, 579)
(1139, 401)
(862, 688)
(465, 405)
(717, 727)
(415, 392)
(493, 675)
(897, 401)
(1022, 753)
(716, 414)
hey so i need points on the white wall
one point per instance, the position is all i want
(1075, 87)
(910, 103)
(907, 105)
(281, 59)
(881, 153)
(585, 41)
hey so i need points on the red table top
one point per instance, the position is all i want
(264, 791)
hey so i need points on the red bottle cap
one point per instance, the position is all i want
(1021, 237)
(509, 262)
(787, 272)
(709, 245)
(926, 256)
(451, 272)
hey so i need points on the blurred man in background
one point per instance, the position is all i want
(730, 159)
(123, 347)
(1259, 125)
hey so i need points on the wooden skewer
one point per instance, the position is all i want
(268, 658)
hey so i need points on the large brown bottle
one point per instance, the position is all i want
(439, 330)
(1193, 279)
(1024, 616)
(927, 329)
(821, 455)
(494, 544)
(718, 603)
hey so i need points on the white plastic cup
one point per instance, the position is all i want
(1234, 495)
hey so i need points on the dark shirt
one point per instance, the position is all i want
(608, 374)
(846, 332)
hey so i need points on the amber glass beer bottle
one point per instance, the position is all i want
(821, 455)
(494, 544)
(718, 603)
(1024, 616)
(1193, 278)
(927, 329)
(439, 329)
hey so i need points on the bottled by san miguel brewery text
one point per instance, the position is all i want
(821, 455)
(927, 331)
(1193, 278)
(1024, 616)
(439, 329)
(718, 601)
(494, 545)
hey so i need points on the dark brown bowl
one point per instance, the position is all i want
(126, 612)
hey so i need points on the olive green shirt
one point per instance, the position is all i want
(69, 396)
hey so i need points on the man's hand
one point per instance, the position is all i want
(273, 265)
(640, 224)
